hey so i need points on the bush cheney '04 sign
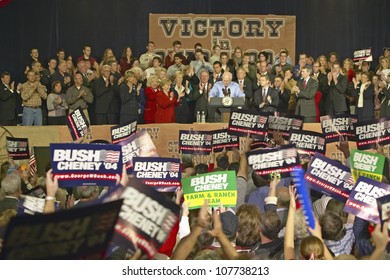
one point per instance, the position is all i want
(362, 200)
(339, 125)
(221, 140)
(284, 124)
(243, 122)
(86, 164)
(137, 145)
(195, 142)
(215, 187)
(122, 132)
(281, 160)
(146, 218)
(308, 141)
(17, 148)
(77, 123)
(163, 174)
(75, 233)
(329, 177)
(369, 133)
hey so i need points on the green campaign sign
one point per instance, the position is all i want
(215, 187)
(367, 164)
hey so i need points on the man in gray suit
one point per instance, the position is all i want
(305, 91)
(10, 186)
(335, 91)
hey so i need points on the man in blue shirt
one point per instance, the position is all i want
(226, 85)
(224, 88)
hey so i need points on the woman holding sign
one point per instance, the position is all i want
(166, 102)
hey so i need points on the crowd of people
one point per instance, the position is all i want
(173, 89)
(266, 222)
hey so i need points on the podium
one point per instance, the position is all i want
(216, 103)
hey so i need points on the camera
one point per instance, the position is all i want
(273, 175)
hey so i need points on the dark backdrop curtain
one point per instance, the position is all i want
(322, 26)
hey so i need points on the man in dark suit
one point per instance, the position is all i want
(322, 80)
(305, 91)
(200, 95)
(106, 93)
(7, 100)
(284, 95)
(11, 186)
(335, 91)
(217, 74)
(246, 85)
(266, 98)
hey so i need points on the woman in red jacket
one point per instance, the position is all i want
(150, 94)
(166, 102)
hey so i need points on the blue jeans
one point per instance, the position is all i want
(32, 116)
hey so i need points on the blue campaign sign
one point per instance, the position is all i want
(282, 159)
(329, 177)
(137, 145)
(303, 196)
(86, 164)
(163, 174)
(122, 132)
(146, 219)
(195, 142)
(338, 125)
(77, 123)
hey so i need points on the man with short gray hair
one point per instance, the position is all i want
(10, 186)
(86, 194)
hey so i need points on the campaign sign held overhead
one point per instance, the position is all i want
(122, 132)
(242, 122)
(195, 142)
(338, 125)
(78, 124)
(280, 160)
(163, 174)
(145, 220)
(75, 233)
(17, 148)
(137, 145)
(86, 164)
(362, 200)
(329, 177)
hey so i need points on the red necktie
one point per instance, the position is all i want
(304, 83)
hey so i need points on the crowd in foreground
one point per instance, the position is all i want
(266, 222)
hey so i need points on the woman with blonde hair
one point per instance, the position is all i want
(129, 93)
(182, 90)
(107, 55)
(384, 69)
(348, 66)
(323, 64)
(166, 102)
(152, 87)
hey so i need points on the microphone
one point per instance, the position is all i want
(229, 91)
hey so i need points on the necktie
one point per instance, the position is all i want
(304, 83)
(264, 95)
